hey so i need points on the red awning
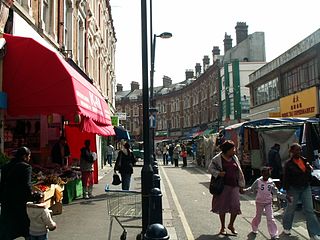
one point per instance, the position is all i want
(39, 81)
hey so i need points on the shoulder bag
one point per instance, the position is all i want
(216, 184)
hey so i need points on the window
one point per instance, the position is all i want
(81, 44)
(266, 92)
(300, 77)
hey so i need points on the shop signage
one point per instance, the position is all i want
(115, 120)
(122, 116)
(274, 114)
(161, 133)
(301, 104)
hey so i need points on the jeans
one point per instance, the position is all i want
(109, 159)
(126, 179)
(41, 237)
(165, 159)
(303, 194)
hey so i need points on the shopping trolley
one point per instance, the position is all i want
(125, 205)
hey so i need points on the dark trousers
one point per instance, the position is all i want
(184, 161)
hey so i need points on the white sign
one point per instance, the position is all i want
(122, 116)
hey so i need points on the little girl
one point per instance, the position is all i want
(40, 218)
(264, 188)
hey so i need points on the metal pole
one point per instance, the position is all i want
(153, 52)
(146, 172)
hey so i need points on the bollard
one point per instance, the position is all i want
(155, 206)
(156, 232)
(156, 181)
(155, 168)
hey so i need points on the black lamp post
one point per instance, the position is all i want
(153, 51)
(146, 172)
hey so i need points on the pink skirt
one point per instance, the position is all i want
(87, 178)
(227, 202)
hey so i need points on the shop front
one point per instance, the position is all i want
(47, 98)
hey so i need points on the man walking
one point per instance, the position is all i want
(109, 154)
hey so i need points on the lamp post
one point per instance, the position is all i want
(146, 172)
(163, 35)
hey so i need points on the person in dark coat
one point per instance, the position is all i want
(274, 161)
(60, 152)
(15, 192)
(124, 164)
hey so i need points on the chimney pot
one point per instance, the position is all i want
(227, 42)
(189, 74)
(119, 87)
(241, 31)
(134, 86)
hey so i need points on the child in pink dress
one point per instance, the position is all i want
(265, 188)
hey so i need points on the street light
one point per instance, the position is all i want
(164, 35)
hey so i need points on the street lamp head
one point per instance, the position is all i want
(165, 35)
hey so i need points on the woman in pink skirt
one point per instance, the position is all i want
(226, 164)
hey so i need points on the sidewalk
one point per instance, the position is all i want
(83, 219)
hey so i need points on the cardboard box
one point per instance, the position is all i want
(56, 208)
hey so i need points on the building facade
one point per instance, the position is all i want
(211, 96)
(82, 31)
(288, 86)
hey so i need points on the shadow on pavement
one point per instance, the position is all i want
(213, 237)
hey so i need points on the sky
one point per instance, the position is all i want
(198, 25)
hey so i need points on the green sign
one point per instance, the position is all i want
(161, 133)
(115, 120)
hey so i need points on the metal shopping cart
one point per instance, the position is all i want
(123, 205)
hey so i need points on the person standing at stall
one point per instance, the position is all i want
(87, 159)
(15, 192)
(60, 152)
(274, 161)
(296, 182)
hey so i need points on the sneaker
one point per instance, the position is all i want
(86, 196)
(315, 237)
(275, 238)
(254, 232)
(286, 232)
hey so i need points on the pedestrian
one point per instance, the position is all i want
(170, 151)
(176, 154)
(87, 159)
(124, 164)
(265, 189)
(15, 192)
(194, 150)
(165, 149)
(184, 155)
(60, 152)
(109, 154)
(40, 217)
(226, 164)
(274, 161)
(296, 182)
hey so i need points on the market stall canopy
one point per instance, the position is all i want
(121, 133)
(39, 81)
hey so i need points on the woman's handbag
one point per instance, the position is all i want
(116, 179)
(216, 185)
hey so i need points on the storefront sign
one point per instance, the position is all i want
(274, 114)
(115, 120)
(122, 116)
(301, 104)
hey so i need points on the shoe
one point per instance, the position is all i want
(86, 196)
(231, 228)
(286, 232)
(275, 238)
(223, 231)
(255, 232)
(315, 237)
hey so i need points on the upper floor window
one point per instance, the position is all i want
(266, 92)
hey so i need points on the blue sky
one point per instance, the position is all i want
(199, 25)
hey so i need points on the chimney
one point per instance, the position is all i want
(241, 31)
(215, 53)
(166, 81)
(227, 42)
(134, 86)
(206, 62)
(119, 87)
(189, 74)
(198, 69)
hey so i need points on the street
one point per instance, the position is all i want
(186, 211)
